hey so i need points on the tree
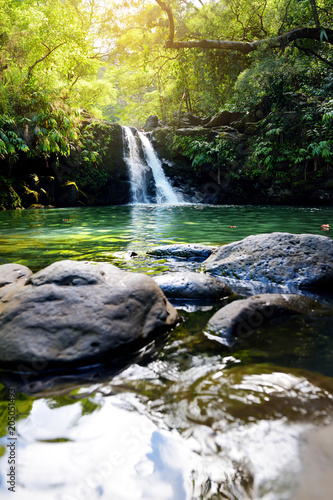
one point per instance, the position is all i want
(245, 47)
(51, 45)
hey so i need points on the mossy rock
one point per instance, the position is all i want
(10, 199)
(67, 195)
(28, 196)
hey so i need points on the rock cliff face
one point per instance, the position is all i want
(96, 173)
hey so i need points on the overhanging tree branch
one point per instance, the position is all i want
(279, 41)
(168, 11)
(247, 47)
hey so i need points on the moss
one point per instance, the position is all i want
(9, 199)
(69, 183)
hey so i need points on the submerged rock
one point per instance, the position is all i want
(242, 317)
(190, 285)
(302, 260)
(190, 251)
(12, 276)
(74, 313)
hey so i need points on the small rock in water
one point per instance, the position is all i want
(193, 286)
(190, 251)
(241, 318)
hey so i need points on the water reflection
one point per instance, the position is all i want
(193, 440)
(38, 237)
(191, 420)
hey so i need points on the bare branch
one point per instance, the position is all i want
(30, 70)
(310, 51)
(284, 18)
(168, 10)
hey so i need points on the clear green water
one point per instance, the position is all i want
(38, 237)
(191, 419)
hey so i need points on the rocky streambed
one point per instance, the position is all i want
(75, 313)
(217, 380)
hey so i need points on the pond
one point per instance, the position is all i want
(188, 418)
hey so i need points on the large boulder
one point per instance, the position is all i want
(194, 132)
(193, 286)
(224, 118)
(47, 190)
(301, 260)
(185, 119)
(241, 318)
(191, 251)
(151, 123)
(28, 196)
(76, 313)
(12, 276)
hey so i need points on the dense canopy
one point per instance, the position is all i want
(113, 58)
(66, 63)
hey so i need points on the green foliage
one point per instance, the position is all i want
(10, 142)
(54, 131)
(62, 62)
(206, 154)
(95, 141)
(293, 145)
(8, 196)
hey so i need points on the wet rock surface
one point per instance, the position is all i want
(79, 312)
(242, 317)
(193, 286)
(298, 260)
(190, 251)
(12, 276)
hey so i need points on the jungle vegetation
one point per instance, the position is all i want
(65, 61)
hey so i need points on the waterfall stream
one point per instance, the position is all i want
(146, 168)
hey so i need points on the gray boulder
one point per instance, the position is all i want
(75, 313)
(190, 285)
(12, 276)
(301, 260)
(242, 317)
(185, 119)
(224, 118)
(151, 123)
(194, 131)
(190, 251)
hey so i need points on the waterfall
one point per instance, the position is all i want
(164, 191)
(142, 170)
(136, 168)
